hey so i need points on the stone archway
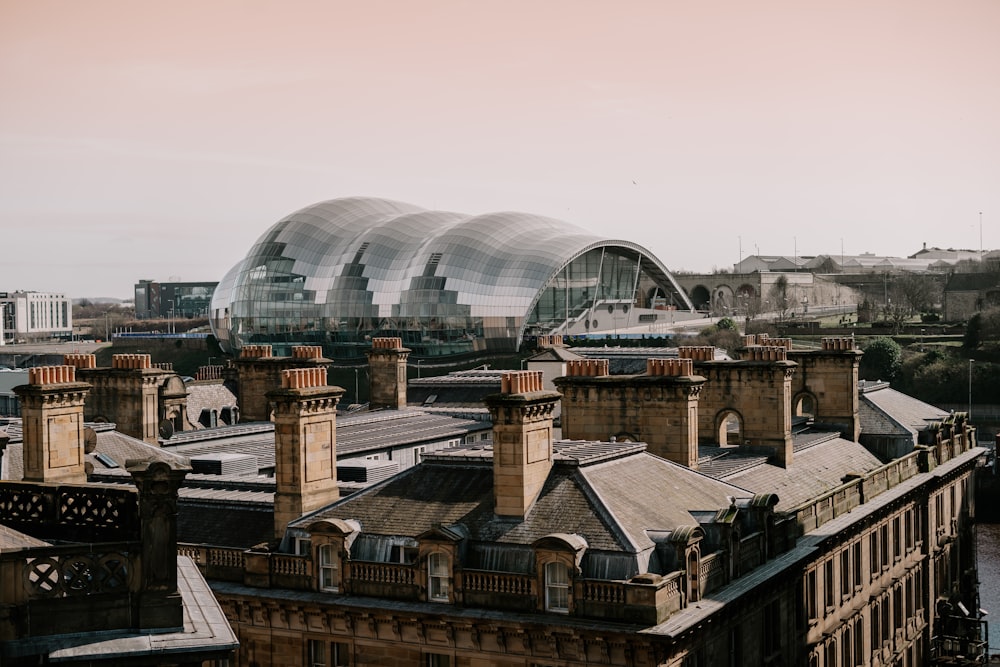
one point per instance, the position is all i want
(701, 297)
(804, 405)
(729, 428)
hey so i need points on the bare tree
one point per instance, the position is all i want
(778, 295)
(919, 293)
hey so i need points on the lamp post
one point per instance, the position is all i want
(970, 391)
(357, 399)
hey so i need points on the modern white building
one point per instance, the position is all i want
(33, 315)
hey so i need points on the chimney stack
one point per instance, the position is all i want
(258, 372)
(305, 443)
(828, 379)
(387, 365)
(522, 441)
(659, 408)
(52, 417)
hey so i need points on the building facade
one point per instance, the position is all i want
(156, 300)
(34, 316)
(801, 548)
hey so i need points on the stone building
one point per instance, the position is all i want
(705, 512)
(90, 575)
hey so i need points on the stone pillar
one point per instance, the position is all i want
(522, 441)
(305, 440)
(830, 376)
(52, 417)
(387, 367)
(257, 372)
(659, 408)
(160, 604)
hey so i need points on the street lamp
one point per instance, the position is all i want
(357, 399)
(970, 391)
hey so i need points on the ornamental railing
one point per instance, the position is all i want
(70, 512)
(505, 583)
(71, 571)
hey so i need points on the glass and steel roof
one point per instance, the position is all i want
(339, 272)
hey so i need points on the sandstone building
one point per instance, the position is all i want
(705, 512)
(90, 575)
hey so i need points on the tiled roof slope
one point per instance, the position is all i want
(118, 447)
(224, 524)
(885, 411)
(554, 354)
(464, 388)
(814, 471)
(207, 394)
(12, 540)
(356, 434)
(610, 500)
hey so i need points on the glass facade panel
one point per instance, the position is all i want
(339, 272)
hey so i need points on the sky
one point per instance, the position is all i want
(159, 140)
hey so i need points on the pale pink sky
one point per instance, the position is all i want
(160, 139)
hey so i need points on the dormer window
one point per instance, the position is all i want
(557, 587)
(438, 576)
(329, 569)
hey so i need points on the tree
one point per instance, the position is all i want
(882, 360)
(973, 337)
(727, 324)
(778, 295)
(920, 293)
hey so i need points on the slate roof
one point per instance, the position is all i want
(816, 468)
(972, 282)
(462, 388)
(208, 394)
(885, 411)
(231, 524)
(115, 448)
(608, 493)
(356, 434)
(554, 354)
(13, 540)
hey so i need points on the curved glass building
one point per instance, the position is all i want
(341, 271)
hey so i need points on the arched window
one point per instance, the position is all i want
(438, 576)
(329, 569)
(694, 585)
(557, 587)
